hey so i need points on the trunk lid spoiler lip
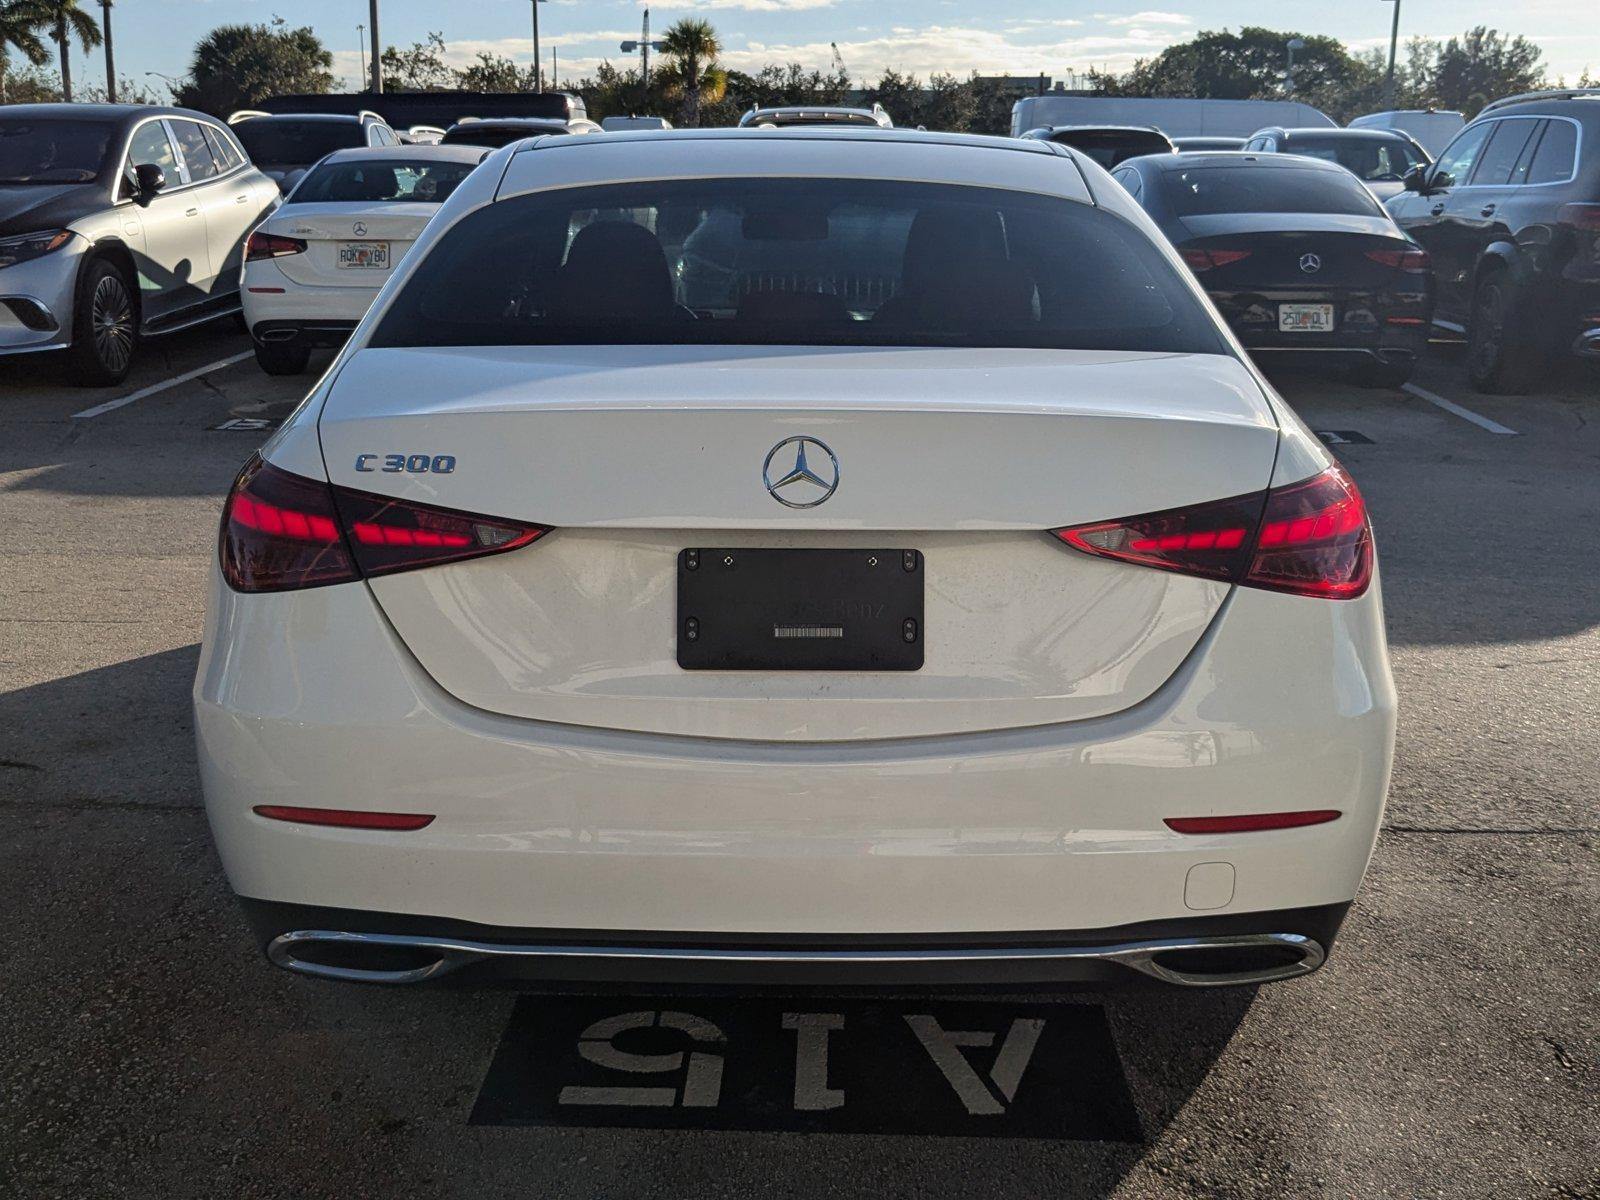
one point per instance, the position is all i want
(1237, 224)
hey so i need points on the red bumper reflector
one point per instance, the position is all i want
(344, 818)
(1251, 822)
(1404, 320)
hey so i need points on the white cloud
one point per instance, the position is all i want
(1152, 18)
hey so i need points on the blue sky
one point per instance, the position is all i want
(1013, 36)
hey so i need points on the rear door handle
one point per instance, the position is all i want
(191, 212)
(1487, 210)
(245, 199)
(1437, 209)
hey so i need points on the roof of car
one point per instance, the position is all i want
(421, 153)
(1103, 129)
(110, 112)
(310, 117)
(824, 133)
(1190, 159)
(516, 122)
(1360, 135)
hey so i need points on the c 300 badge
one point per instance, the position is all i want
(410, 464)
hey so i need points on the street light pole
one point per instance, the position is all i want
(376, 83)
(1293, 44)
(111, 61)
(1394, 43)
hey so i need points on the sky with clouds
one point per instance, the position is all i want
(918, 36)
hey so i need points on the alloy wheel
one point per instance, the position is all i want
(111, 323)
(1488, 331)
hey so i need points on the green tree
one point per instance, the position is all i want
(496, 73)
(691, 47)
(1482, 64)
(19, 30)
(238, 66)
(419, 69)
(65, 21)
(1248, 65)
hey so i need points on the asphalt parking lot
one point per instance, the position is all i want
(1448, 1049)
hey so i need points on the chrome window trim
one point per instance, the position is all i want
(1577, 152)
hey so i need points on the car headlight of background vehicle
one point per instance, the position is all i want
(27, 246)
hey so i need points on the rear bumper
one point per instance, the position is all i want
(307, 698)
(367, 947)
(302, 332)
(1388, 327)
(296, 313)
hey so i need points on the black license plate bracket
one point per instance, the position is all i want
(743, 609)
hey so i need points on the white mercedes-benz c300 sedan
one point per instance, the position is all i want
(823, 556)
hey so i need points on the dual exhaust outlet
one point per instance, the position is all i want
(1187, 962)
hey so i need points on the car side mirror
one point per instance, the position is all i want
(1415, 179)
(150, 179)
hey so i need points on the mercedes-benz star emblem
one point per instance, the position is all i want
(1310, 263)
(359, 229)
(810, 482)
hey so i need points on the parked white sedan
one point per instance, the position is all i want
(945, 599)
(312, 269)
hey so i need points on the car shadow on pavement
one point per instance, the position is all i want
(120, 735)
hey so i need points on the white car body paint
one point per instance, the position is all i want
(582, 781)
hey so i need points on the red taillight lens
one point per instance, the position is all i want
(1310, 538)
(1412, 258)
(1204, 260)
(343, 818)
(1253, 822)
(389, 535)
(1208, 539)
(271, 245)
(283, 531)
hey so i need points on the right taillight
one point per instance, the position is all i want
(1203, 260)
(1412, 259)
(283, 531)
(1311, 538)
(271, 245)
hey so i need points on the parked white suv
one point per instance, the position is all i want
(118, 223)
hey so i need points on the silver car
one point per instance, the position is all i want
(117, 223)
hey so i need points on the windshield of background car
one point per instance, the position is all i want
(831, 262)
(271, 142)
(418, 180)
(45, 151)
(1110, 147)
(1372, 159)
(1260, 188)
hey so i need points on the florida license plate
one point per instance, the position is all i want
(372, 256)
(1305, 318)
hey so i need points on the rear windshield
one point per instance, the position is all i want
(797, 262)
(495, 136)
(1260, 188)
(1109, 147)
(52, 151)
(1377, 160)
(271, 142)
(421, 180)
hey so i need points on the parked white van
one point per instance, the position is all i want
(1433, 128)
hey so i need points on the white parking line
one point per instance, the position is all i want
(109, 405)
(1466, 414)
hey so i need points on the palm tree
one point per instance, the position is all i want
(691, 47)
(19, 22)
(65, 20)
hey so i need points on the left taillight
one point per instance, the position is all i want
(282, 531)
(1311, 538)
(271, 245)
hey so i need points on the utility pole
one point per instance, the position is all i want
(376, 84)
(555, 75)
(111, 60)
(643, 46)
(1394, 44)
(538, 69)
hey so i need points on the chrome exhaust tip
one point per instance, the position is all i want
(1244, 959)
